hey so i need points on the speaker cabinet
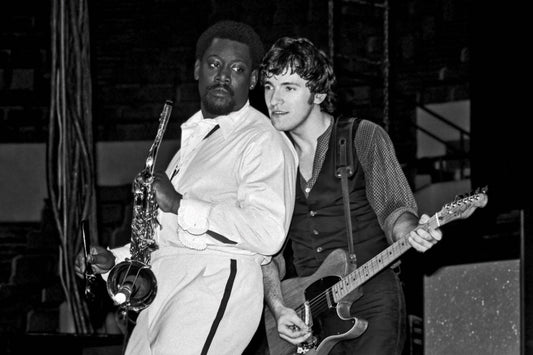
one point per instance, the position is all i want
(473, 309)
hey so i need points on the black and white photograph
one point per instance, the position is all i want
(279, 177)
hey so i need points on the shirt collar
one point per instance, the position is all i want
(324, 137)
(227, 122)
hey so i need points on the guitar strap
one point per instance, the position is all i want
(343, 134)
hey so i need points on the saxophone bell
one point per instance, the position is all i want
(132, 285)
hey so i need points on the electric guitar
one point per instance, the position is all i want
(330, 291)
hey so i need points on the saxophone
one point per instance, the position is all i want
(131, 284)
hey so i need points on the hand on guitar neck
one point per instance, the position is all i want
(419, 235)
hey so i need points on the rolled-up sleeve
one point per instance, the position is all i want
(387, 188)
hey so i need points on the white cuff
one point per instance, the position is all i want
(196, 242)
(120, 253)
(192, 216)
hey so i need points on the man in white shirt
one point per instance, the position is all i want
(225, 202)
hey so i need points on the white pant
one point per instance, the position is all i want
(186, 316)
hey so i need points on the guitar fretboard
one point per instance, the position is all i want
(369, 269)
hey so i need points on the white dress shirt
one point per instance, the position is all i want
(238, 184)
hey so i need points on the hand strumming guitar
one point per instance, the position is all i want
(290, 326)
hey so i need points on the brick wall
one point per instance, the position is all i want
(24, 70)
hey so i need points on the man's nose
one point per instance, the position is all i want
(224, 75)
(275, 98)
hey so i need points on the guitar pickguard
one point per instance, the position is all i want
(326, 314)
(327, 318)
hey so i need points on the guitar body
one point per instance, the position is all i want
(340, 325)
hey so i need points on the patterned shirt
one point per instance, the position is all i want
(387, 189)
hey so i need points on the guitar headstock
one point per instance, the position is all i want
(462, 208)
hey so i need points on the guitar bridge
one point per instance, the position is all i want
(310, 344)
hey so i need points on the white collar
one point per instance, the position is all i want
(227, 122)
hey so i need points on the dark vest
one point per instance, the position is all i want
(318, 225)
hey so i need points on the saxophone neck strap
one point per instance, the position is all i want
(213, 130)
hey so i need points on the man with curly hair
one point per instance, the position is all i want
(298, 80)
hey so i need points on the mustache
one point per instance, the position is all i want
(221, 86)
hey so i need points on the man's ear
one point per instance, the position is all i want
(319, 98)
(197, 69)
(253, 78)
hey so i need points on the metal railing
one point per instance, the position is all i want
(461, 153)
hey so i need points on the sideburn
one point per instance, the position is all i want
(311, 99)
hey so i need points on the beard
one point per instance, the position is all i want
(217, 105)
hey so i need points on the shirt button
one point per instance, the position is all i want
(312, 213)
(307, 189)
(319, 250)
(315, 232)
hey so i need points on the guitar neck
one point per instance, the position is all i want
(365, 272)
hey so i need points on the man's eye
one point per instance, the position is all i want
(238, 69)
(288, 88)
(213, 65)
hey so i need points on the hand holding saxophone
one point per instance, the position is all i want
(101, 260)
(166, 196)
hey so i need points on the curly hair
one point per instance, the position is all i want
(300, 56)
(235, 31)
